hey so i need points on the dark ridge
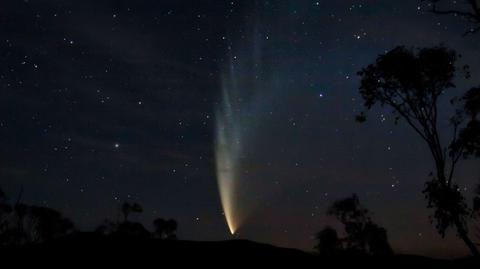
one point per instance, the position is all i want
(89, 250)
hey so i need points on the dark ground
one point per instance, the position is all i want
(93, 251)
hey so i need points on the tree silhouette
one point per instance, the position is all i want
(470, 11)
(126, 227)
(377, 240)
(23, 224)
(410, 83)
(329, 243)
(363, 235)
(47, 224)
(354, 218)
(165, 229)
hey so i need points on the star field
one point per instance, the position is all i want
(107, 101)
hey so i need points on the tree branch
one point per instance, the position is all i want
(472, 16)
(454, 12)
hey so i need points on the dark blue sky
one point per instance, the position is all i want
(106, 101)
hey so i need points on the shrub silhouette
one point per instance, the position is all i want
(328, 242)
(377, 240)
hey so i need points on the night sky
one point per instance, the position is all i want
(103, 102)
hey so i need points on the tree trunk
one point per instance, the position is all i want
(464, 236)
(461, 230)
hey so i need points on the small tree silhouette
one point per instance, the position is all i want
(363, 235)
(410, 83)
(328, 242)
(377, 240)
(126, 227)
(165, 229)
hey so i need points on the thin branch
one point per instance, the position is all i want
(407, 118)
(472, 16)
(475, 15)
(454, 12)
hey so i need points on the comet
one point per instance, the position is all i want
(247, 87)
(228, 149)
(234, 129)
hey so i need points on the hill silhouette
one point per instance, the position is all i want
(88, 250)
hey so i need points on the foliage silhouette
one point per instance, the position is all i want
(329, 244)
(410, 83)
(363, 236)
(24, 224)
